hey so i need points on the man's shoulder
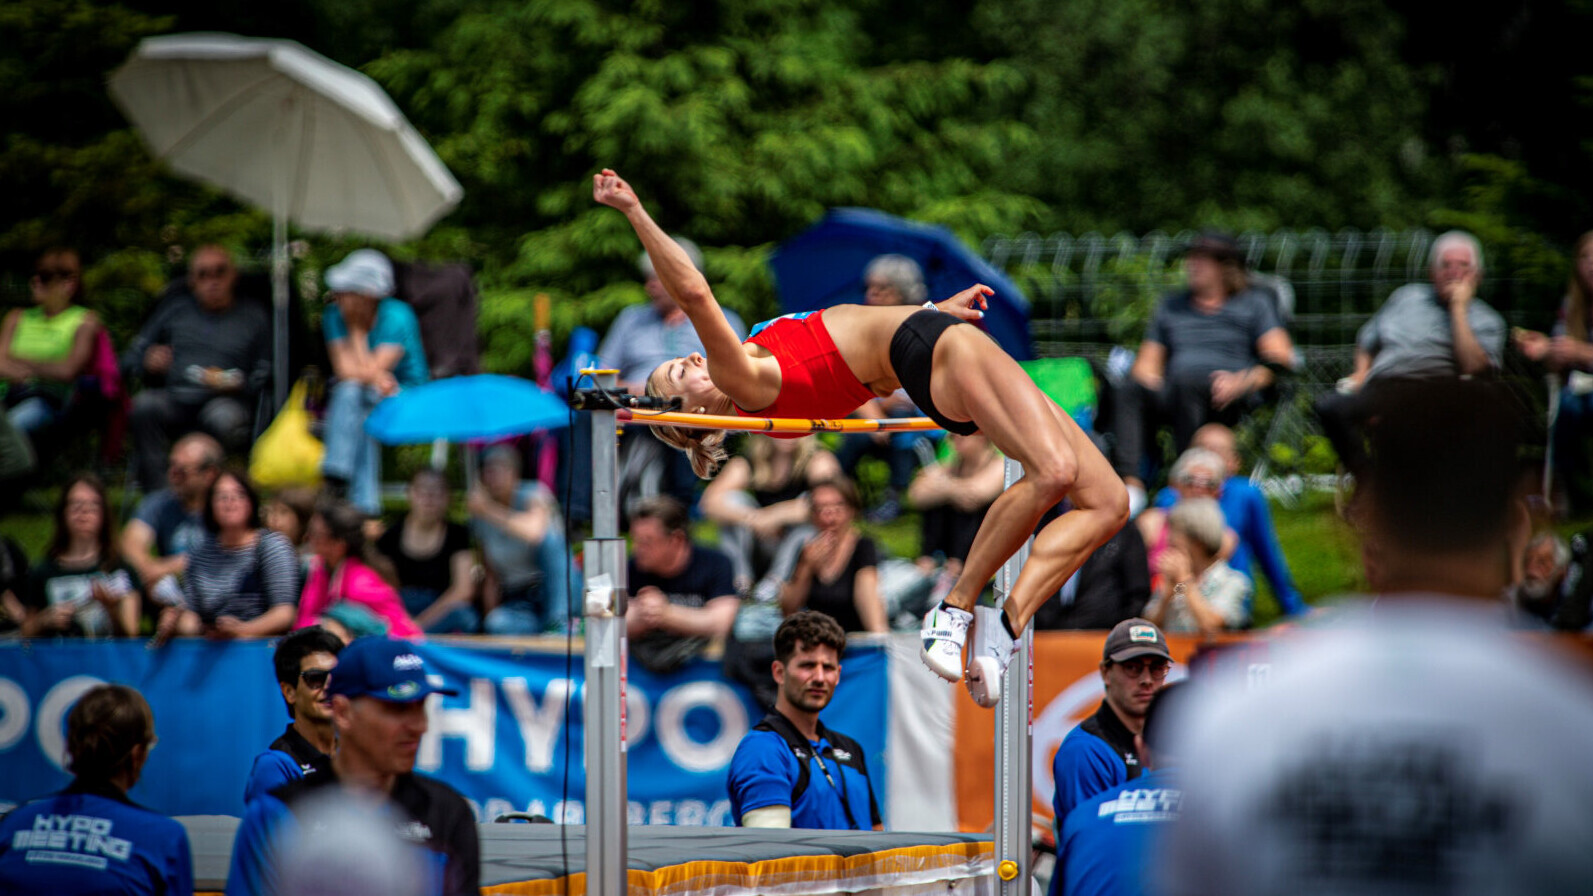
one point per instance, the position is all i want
(1081, 741)
(760, 743)
(708, 557)
(1409, 293)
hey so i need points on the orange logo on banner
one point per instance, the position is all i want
(1067, 689)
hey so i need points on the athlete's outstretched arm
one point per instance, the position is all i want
(685, 283)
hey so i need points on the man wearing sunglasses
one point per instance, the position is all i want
(304, 660)
(1100, 754)
(203, 356)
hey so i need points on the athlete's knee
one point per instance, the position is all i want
(1053, 477)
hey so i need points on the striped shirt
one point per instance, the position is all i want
(243, 582)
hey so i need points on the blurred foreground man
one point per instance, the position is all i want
(426, 829)
(1418, 746)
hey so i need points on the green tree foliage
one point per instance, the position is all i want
(742, 122)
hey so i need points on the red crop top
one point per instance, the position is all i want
(815, 384)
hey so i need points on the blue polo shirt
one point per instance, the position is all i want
(764, 771)
(91, 839)
(1105, 846)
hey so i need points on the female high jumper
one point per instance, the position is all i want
(825, 364)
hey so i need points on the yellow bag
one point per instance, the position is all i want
(286, 454)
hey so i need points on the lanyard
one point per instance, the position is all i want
(839, 793)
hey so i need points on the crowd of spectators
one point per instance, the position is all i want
(205, 553)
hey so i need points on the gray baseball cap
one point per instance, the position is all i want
(1134, 638)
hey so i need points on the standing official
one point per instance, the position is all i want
(1100, 752)
(790, 771)
(304, 661)
(378, 709)
(1105, 844)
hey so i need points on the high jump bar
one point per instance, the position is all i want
(777, 424)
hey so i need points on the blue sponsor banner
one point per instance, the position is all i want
(503, 742)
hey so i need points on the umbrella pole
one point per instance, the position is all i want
(279, 310)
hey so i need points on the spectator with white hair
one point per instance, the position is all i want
(1198, 473)
(1437, 329)
(1197, 591)
(374, 343)
(888, 280)
(1544, 587)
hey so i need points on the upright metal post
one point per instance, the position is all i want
(1014, 740)
(604, 703)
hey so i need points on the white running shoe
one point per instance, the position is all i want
(988, 658)
(945, 631)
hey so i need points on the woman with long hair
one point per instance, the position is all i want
(242, 579)
(432, 557)
(81, 587)
(837, 571)
(1568, 354)
(90, 838)
(827, 363)
(352, 588)
(759, 497)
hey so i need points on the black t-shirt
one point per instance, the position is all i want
(838, 598)
(424, 572)
(438, 819)
(707, 576)
(52, 582)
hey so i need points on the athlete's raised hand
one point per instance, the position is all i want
(969, 303)
(612, 190)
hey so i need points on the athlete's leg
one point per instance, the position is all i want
(983, 383)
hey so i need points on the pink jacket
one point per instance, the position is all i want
(356, 583)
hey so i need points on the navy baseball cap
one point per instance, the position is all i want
(384, 668)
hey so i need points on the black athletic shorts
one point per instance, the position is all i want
(912, 354)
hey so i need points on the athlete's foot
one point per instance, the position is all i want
(988, 658)
(945, 631)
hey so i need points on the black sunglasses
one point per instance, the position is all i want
(315, 678)
(49, 275)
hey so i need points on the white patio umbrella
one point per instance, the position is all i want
(277, 125)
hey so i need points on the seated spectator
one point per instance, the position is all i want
(1209, 351)
(1425, 330)
(44, 349)
(889, 280)
(1196, 591)
(351, 589)
(167, 524)
(242, 579)
(374, 343)
(1112, 585)
(757, 498)
(1544, 586)
(81, 587)
(952, 498)
(1568, 354)
(682, 594)
(287, 513)
(432, 557)
(836, 572)
(13, 581)
(204, 356)
(1198, 473)
(641, 338)
(1245, 509)
(530, 585)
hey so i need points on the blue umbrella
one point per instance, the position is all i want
(486, 406)
(824, 264)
